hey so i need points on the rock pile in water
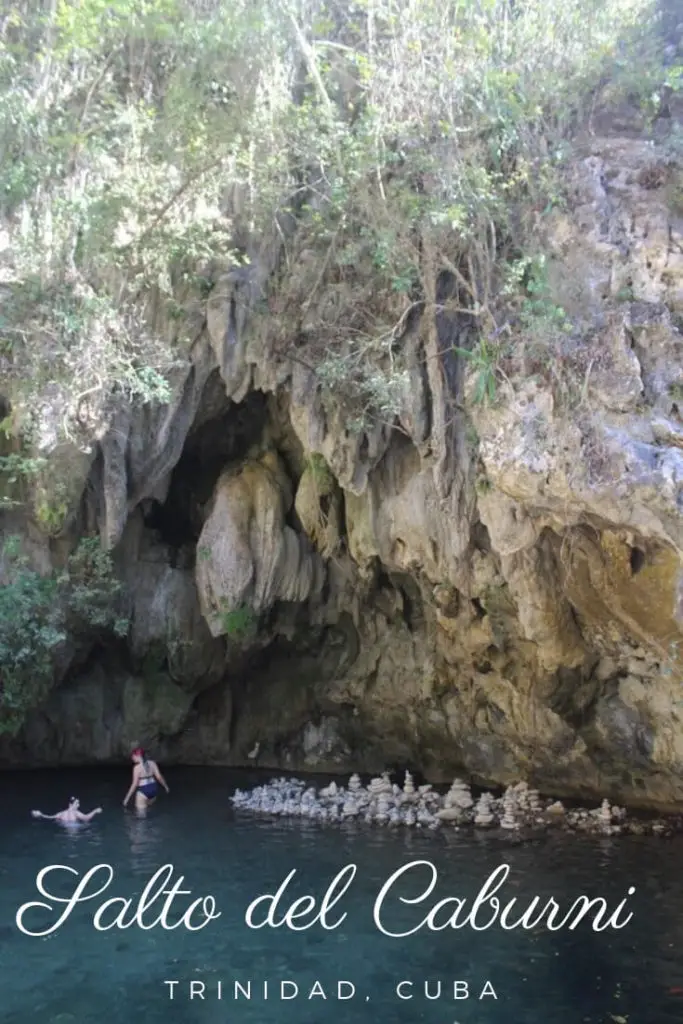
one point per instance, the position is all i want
(384, 803)
(457, 803)
(483, 812)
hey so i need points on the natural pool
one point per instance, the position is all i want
(79, 975)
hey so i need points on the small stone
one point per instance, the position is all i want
(606, 669)
(636, 667)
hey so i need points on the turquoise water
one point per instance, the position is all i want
(80, 975)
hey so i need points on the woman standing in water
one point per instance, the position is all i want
(146, 781)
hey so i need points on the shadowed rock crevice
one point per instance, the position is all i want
(223, 436)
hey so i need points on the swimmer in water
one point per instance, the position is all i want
(71, 816)
(146, 781)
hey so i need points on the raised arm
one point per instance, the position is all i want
(45, 817)
(89, 817)
(160, 779)
(133, 785)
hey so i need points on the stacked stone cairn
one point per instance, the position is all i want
(457, 803)
(409, 791)
(511, 813)
(384, 803)
(604, 815)
(483, 811)
(528, 802)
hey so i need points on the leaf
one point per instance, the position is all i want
(480, 390)
(491, 385)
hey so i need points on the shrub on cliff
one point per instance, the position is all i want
(414, 145)
(39, 613)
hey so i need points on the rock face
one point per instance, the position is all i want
(167, 626)
(497, 592)
(248, 557)
(99, 716)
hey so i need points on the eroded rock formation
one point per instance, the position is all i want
(497, 591)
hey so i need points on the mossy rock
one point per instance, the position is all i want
(318, 505)
(153, 706)
(321, 474)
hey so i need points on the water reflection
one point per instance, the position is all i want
(608, 849)
(72, 840)
(146, 841)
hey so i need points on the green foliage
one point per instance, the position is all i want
(94, 593)
(31, 631)
(359, 376)
(141, 141)
(16, 470)
(239, 622)
(527, 288)
(536, 328)
(321, 473)
(482, 484)
(463, 114)
(483, 359)
(16, 466)
(93, 345)
(106, 120)
(51, 513)
(640, 76)
(38, 614)
(542, 323)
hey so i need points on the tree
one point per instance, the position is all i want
(411, 141)
(39, 613)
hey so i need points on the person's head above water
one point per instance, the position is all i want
(138, 754)
(74, 802)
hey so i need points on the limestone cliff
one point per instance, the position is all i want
(490, 588)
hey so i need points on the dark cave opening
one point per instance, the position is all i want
(480, 539)
(172, 527)
(223, 436)
(637, 560)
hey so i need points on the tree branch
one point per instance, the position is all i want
(200, 172)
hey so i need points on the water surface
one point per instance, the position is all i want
(79, 975)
